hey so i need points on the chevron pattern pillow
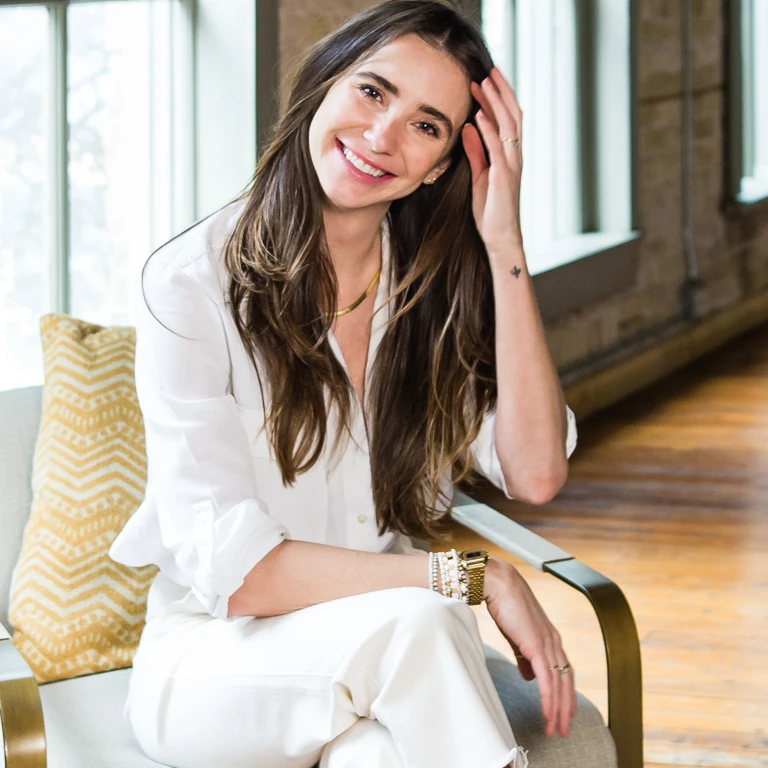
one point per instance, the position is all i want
(74, 610)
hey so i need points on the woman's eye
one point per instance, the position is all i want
(373, 93)
(429, 128)
(370, 92)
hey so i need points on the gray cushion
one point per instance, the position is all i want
(590, 744)
(19, 424)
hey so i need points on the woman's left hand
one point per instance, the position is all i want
(535, 642)
(496, 186)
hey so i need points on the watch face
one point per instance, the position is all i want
(471, 555)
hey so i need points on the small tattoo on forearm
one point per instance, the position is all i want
(517, 272)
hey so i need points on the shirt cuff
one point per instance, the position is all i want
(226, 554)
(492, 464)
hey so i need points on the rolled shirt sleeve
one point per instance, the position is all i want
(201, 522)
(487, 459)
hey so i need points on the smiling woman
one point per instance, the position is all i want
(318, 364)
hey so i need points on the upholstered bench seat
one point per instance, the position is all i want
(84, 723)
(85, 727)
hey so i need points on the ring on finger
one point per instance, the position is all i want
(515, 143)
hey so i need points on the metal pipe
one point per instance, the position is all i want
(690, 287)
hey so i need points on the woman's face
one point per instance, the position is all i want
(389, 124)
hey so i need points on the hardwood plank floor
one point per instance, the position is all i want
(668, 496)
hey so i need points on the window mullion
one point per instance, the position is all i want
(58, 198)
(267, 85)
(183, 114)
(587, 116)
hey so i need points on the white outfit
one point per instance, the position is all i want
(280, 691)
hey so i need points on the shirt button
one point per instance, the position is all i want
(362, 518)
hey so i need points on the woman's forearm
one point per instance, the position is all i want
(297, 574)
(531, 424)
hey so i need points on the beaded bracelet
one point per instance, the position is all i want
(453, 580)
(442, 565)
(433, 567)
(453, 570)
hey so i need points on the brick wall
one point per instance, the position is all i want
(732, 250)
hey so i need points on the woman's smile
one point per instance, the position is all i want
(360, 169)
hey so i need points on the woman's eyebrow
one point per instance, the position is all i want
(386, 85)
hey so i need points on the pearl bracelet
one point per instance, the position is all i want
(453, 581)
(433, 583)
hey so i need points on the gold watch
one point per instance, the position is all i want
(473, 562)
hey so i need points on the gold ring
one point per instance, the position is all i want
(515, 142)
(564, 670)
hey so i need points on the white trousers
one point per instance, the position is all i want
(388, 679)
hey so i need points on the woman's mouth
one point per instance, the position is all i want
(359, 169)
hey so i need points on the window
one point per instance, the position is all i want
(571, 66)
(24, 159)
(113, 115)
(749, 100)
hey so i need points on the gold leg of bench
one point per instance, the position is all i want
(622, 651)
(20, 712)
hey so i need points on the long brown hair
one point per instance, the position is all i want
(434, 375)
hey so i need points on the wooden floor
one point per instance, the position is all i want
(668, 496)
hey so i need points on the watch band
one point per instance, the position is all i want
(473, 562)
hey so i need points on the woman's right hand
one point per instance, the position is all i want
(534, 640)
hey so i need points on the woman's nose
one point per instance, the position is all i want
(382, 136)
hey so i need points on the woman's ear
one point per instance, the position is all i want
(437, 172)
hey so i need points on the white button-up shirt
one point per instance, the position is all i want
(215, 503)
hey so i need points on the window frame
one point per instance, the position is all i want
(600, 268)
(185, 205)
(733, 203)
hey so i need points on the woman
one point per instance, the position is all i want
(317, 364)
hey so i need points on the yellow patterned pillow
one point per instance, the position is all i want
(74, 610)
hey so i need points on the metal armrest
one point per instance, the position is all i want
(21, 713)
(622, 645)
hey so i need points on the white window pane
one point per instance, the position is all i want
(499, 32)
(24, 226)
(534, 43)
(565, 87)
(754, 95)
(110, 163)
(534, 87)
(760, 93)
(225, 101)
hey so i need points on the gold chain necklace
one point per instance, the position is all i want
(355, 304)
